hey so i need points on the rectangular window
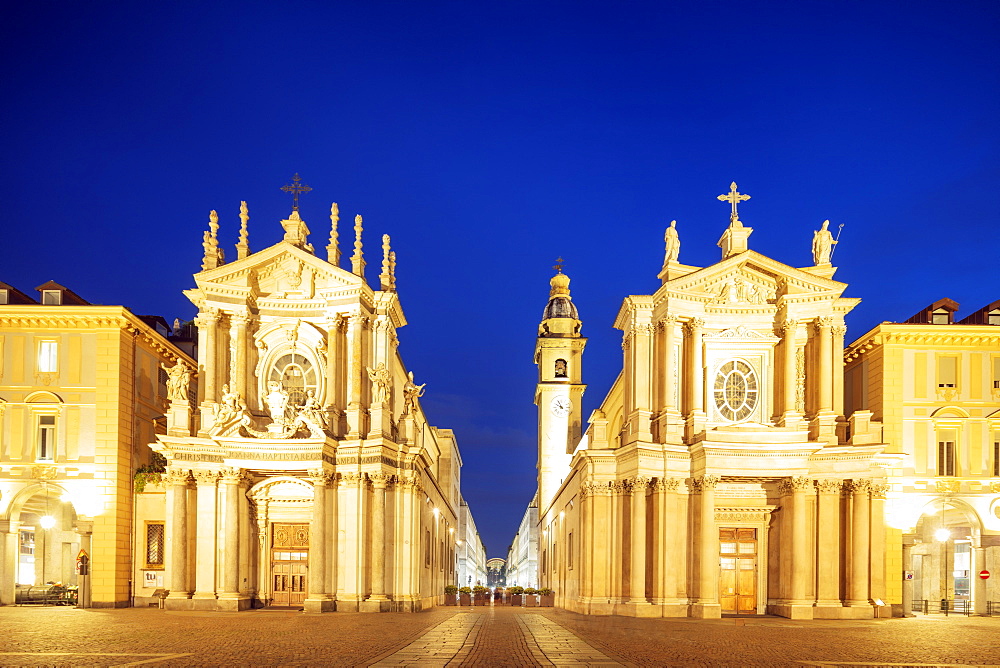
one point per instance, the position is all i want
(996, 373)
(46, 437)
(946, 458)
(947, 371)
(154, 544)
(48, 356)
(52, 297)
(4, 296)
(427, 549)
(996, 458)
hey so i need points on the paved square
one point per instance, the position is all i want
(483, 636)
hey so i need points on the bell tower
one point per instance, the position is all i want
(558, 354)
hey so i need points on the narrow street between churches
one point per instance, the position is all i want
(480, 636)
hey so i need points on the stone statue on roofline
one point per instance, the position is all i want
(823, 243)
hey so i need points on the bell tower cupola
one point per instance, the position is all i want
(558, 395)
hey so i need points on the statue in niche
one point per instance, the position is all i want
(673, 242)
(560, 368)
(411, 391)
(311, 411)
(178, 381)
(277, 401)
(381, 381)
(823, 242)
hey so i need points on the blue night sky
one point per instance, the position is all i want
(490, 138)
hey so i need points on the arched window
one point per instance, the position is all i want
(296, 373)
(735, 391)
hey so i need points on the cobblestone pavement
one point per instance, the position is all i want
(482, 636)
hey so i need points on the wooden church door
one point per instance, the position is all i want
(738, 570)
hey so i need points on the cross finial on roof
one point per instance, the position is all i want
(734, 198)
(558, 265)
(296, 187)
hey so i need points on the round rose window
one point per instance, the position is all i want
(735, 391)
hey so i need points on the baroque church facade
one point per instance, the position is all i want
(721, 473)
(303, 471)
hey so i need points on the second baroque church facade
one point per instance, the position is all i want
(302, 471)
(720, 473)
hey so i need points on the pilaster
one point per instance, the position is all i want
(706, 605)
(319, 598)
(207, 533)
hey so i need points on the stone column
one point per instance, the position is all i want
(876, 548)
(355, 370)
(586, 540)
(907, 584)
(318, 598)
(207, 321)
(352, 486)
(828, 543)
(637, 586)
(238, 363)
(824, 331)
(207, 532)
(231, 481)
(641, 375)
(9, 531)
(798, 606)
(789, 389)
(857, 586)
(334, 329)
(672, 573)
(670, 402)
(837, 364)
(380, 481)
(696, 375)
(176, 530)
(601, 542)
(707, 588)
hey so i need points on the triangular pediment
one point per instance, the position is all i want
(280, 270)
(750, 278)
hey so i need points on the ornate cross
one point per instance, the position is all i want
(734, 198)
(558, 265)
(295, 187)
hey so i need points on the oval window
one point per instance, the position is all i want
(735, 391)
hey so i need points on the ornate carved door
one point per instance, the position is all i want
(738, 570)
(289, 563)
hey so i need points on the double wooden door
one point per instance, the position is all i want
(738, 570)
(289, 563)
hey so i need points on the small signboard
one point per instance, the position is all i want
(149, 579)
(984, 574)
(82, 563)
(907, 575)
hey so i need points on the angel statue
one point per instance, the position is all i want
(411, 391)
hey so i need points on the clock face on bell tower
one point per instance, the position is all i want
(560, 406)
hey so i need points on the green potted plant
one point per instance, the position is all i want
(530, 597)
(482, 595)
(548, 597)
(465, 595)
(514, 595)
(449, 594)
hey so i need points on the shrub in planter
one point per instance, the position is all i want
(465, 595)
(514, 595)
(449, 594)
(531, 597)
(548, 597)
(482, 595)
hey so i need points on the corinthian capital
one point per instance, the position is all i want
(704, 483)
